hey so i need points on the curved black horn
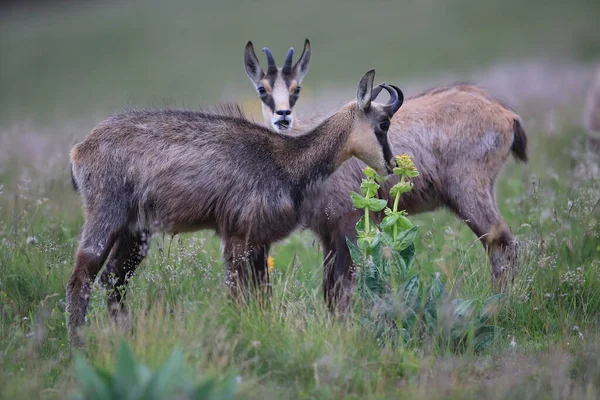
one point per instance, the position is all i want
(396, 98)
(271, 66)
(287, 64)
(376, 90)
(400, 99)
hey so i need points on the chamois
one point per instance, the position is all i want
(143, 172)
(592, 113)
(459, 137)
(278, 88)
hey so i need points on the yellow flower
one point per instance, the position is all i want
(270, 264)
(404, 161)
(405, 166)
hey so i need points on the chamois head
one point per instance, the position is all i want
(278, 88)
(368, 140)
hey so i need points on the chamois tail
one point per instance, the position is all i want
(519, 146)
(73, 181)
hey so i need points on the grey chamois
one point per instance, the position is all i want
(148, 171)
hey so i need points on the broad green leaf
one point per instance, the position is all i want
(485, 336)
(405, 239)
(490, 307)
(464, 310)
(411, 290)
(369, 187)
(409, 320)
(399, 171)
(377, 253)
(389, 221)
(400, 187)
(404, 223)
(165, 379)
(369, 172)
(126, 373)
(373, 281)
(386, 238)
(374, 240)
(436, 289)
(400, 268)
(358, 200)
(412, 174)
(380, 178)
(94, 383)
(376, 204)
(360, 225)
(408, 254)
(430, 317)
(357, 256)
(363, 244)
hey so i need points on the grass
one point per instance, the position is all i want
(124, 54)
(294, 348)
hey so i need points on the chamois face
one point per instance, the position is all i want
(368, 140)
(278, 88)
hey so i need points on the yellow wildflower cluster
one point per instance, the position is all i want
(270, 264)
(405, 166)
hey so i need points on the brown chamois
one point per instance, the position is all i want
(459, 137)
(592, 113)
(143, 172)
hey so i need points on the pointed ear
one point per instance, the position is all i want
(365, 90)
(253, 69)
(301, 66)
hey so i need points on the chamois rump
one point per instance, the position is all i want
(143, 172)
(459, 137)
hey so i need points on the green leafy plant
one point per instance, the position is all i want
(134, 381)
(397, 300)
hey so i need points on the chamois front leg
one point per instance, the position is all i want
(246, 268)
(339, 270)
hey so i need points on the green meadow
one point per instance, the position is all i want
(65, 66)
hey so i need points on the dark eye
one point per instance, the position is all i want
(297, 90)
(384, 126)
(262, 91)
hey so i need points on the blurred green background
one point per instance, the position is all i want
(63, 58)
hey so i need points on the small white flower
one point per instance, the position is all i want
(513, 343)
(32, 240)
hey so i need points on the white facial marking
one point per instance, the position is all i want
(281, 97)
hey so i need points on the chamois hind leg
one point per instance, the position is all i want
(475, 203)
(246, 268)
(97, 239)
(128, 252)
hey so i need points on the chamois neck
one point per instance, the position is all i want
(312, 157)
